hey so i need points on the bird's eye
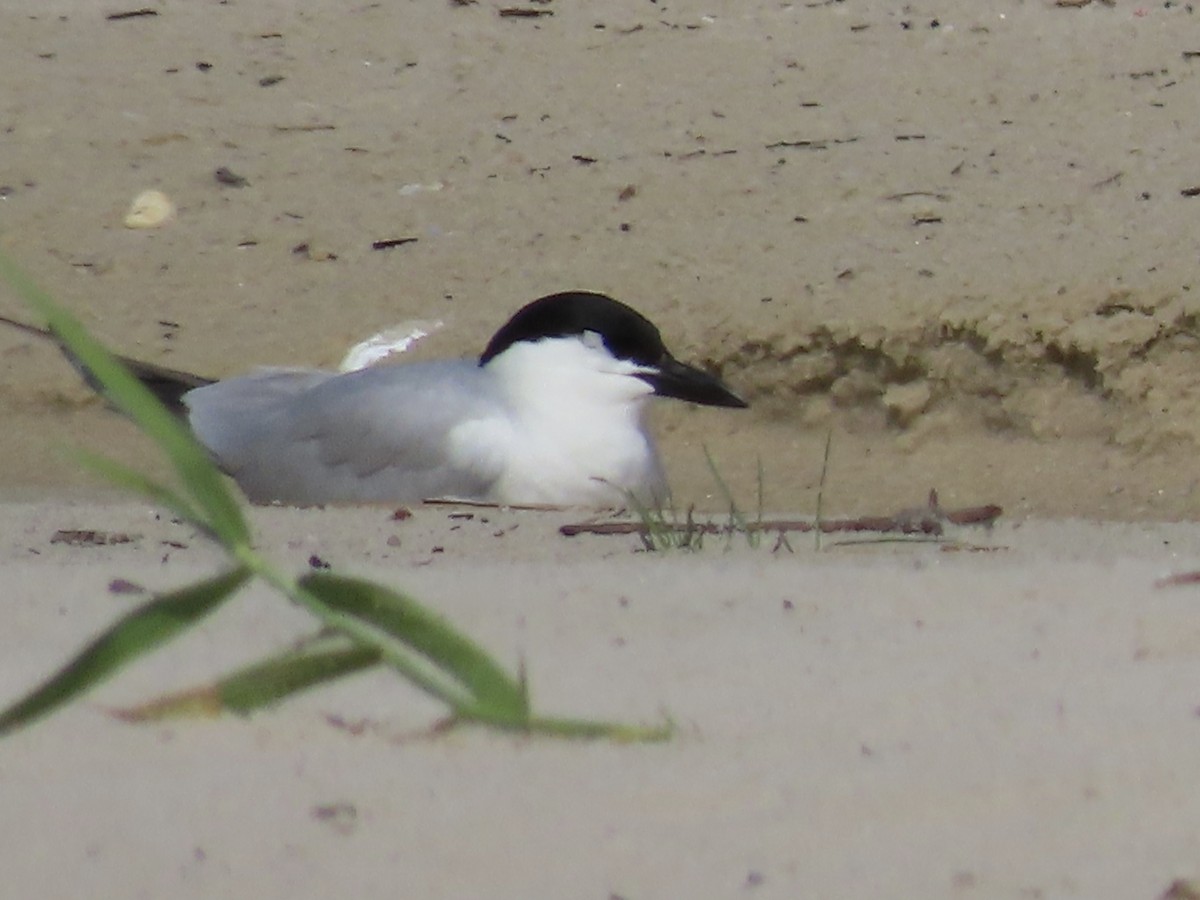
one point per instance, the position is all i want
(593, 340)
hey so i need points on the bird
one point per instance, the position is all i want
(551, 413)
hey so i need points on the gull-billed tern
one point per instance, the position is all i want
(550, 413)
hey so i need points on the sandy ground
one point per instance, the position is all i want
(958, 236)
(1012, 716)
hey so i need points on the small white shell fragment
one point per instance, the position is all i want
(149, 209)
(389, 342)
(407, 190)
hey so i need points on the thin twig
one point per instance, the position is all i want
(929, 521)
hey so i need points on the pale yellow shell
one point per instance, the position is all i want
(150, 209)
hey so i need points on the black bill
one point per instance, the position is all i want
(684, 382)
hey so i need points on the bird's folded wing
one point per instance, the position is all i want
(386, 434)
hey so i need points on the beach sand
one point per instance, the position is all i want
(957, 238)
(1012, 715)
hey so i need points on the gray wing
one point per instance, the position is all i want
(376, 435)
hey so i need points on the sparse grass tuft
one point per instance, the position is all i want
(664, 529)
(737, 520)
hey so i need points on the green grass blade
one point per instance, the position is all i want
(736, 519)
(264, 683)
(818, 523)
(145, 628)
(760, 496)
(124, 477)
(270, 681)
(405, 621)
(201, 478)
(584, 729)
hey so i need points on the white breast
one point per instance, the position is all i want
(574, 433)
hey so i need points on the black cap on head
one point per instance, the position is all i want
(626, 333)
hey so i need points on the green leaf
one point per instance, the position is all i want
(395, 616)
(264, 683)
(135, 634)
(586, 729)
(273, 679)
(201, 478)
(133, 480)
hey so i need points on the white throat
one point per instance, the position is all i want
(576, 425)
